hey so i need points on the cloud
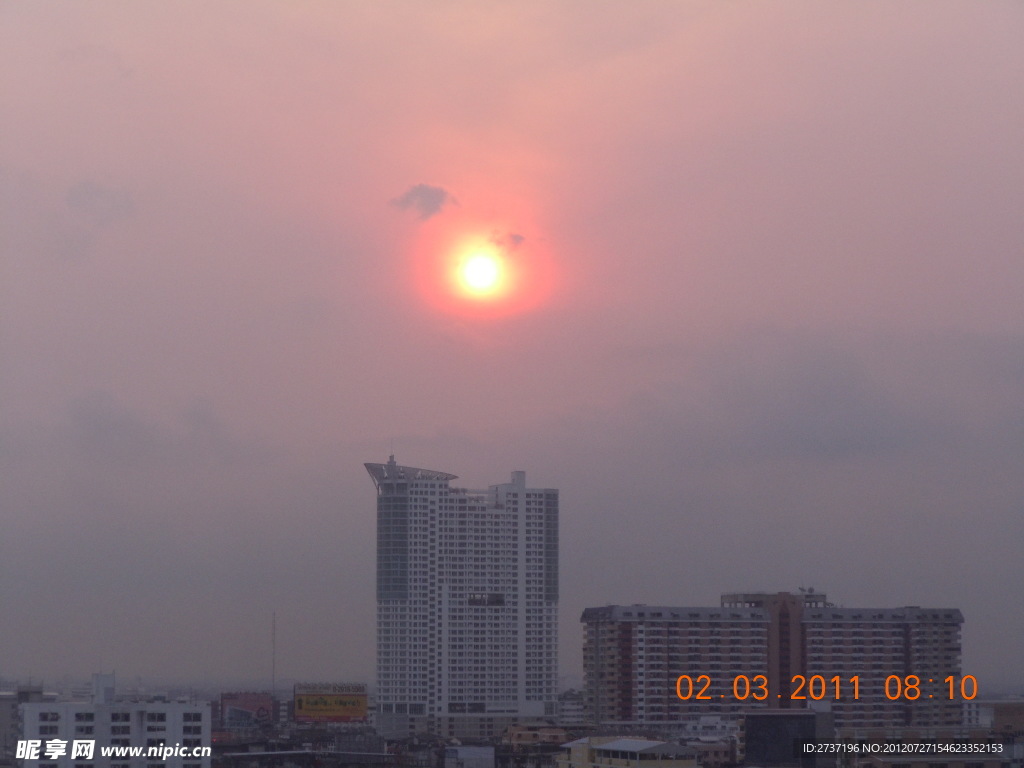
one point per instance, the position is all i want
(427, 200)
(508, 241)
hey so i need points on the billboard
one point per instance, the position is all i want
(330, 703)
(246, 710)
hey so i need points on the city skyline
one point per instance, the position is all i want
(742, 281)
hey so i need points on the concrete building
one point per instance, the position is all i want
(467, 603)
(571, 712)
(1005, 717)
(10, 716)
(873, 644)
(784, 646)
(160, 733)
(617, 752)
(761, 650)
(525, 736)
(633, 656)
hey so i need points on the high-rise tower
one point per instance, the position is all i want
(467, 603)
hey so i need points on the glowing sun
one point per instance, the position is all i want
(481, 275)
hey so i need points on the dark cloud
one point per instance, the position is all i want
(425, 199)
(507, 240)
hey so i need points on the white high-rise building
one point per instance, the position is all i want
(467, 603)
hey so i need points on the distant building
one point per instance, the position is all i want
(617, 752)
(1008, 717)
(767, 650)
(161, 733)
(710, 728)
(468, 757)
(523, 736)
(876, 643)
(10, 717)
(633, 655)
(467, 603)
(571, 711)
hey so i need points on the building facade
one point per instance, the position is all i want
(467, 603)
(10, 716)
(659, 665)
(615, 752)
(109, 732)
(633, 656)
(874, 644)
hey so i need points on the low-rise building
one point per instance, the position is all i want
(533, 735)
(108, 732)
(10, 717)
(616, 752)
(468, 757)
(714, 754)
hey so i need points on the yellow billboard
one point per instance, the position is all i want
(330, 703)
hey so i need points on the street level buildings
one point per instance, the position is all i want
(871, 667)
(467, 603)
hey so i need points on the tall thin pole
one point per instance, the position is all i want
(273, 654)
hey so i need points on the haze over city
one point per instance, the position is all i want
(761, 322)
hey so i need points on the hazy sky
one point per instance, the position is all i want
(768, 333)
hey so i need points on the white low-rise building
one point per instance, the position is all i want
(107, 732)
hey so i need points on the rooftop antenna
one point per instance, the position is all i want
(273, 654)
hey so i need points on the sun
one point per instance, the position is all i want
(481, 274)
